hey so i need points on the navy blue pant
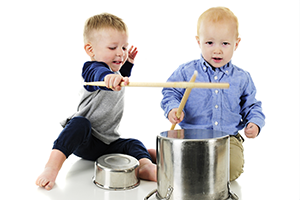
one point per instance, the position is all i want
(77, 138)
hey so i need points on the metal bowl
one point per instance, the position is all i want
(116, 172)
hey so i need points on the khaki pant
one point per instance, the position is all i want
(236, 156)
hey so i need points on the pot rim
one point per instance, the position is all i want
(220, 135)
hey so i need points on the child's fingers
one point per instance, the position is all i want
(116, 81)
(130, 49)
(181, 116)
(126, 80)
(249, 126)
(250, 135)
(107, 81)
(113, 82)
(134, 51)
(132, 55)
(173, 116)
(251, 130)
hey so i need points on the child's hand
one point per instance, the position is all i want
(251, 131)
(131, 54)
(173, 118)
(113, 81)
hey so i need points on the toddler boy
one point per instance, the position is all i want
(227, 110)
(93, 130)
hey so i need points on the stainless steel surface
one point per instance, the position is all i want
(195, 164)
(116, 172)
(232, 196)
(167, 197)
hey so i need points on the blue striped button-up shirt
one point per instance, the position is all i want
(227, 110)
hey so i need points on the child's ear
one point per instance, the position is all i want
(237, 43)
(89, 49)
(198, 40)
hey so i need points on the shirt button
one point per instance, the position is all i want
(215, 77)
(216, 106)
(216, 91)
(216, 123)
(204, 68)
(226, 71)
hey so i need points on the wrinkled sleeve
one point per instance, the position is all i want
(172, 96)
(251, 109)
(126, 69)
(95, 72)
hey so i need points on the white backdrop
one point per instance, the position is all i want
(42, 56)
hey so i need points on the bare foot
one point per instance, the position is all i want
(47, 178)
(152, 153)
(54, 164)
(147, 170)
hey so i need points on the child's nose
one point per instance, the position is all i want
(120, 52)
(218, 51)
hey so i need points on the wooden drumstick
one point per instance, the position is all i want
(184, 98)
(166, 84)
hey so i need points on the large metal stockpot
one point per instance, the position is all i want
(193, 164)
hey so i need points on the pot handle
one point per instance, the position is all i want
(168, 196)
(150, 194)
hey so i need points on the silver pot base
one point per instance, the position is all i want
(232, 195)
(116, 172)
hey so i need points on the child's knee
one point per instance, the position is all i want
(236, 169)
(80, 125)
(82, 121)
(236, 158)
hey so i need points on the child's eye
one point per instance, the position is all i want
(112, 48)
(209, 42)
(226, 43)
(124, 48)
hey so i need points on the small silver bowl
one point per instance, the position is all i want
(116, 172)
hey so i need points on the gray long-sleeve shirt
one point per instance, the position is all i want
(102, 107)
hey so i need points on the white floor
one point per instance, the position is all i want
(75, 182)
(269, 174)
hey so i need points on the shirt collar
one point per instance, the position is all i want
(226, 69)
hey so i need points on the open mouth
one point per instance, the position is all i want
(217, 59)
(117, 62)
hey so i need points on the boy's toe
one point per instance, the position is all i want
(49, 185)
(43, 182)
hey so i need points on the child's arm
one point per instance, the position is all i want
(172, 97)
(251, 110)
(95, 71)
(127, 67)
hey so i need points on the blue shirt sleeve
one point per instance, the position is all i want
(172, 96)
(251, 109)
(95, 71)
(126, 69)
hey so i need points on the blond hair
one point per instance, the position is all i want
(101, 21)
(217, 14)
